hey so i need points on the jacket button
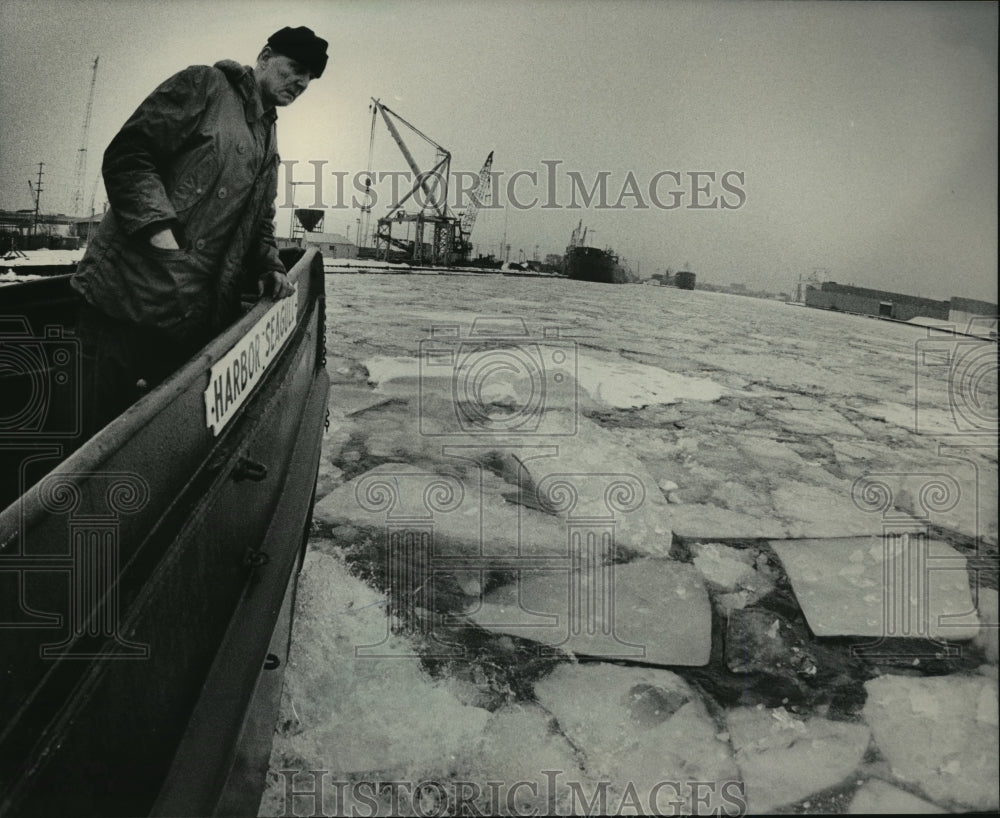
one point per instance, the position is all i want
(200, 244)
(241, 148)
(198, 190)
(222, 193)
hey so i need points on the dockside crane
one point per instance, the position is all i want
(479, 198)
(80, 173)
(430, 193)
(433, 207)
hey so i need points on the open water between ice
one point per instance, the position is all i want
(585, 548)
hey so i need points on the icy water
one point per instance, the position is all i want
(585, 548)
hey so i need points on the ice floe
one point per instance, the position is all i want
(701, 521)
(585, 476)
(875, 797)
(882, 587)
(783, 759)
(725, 567)
(532, 765)
(810, 414)
(500, 371)
(639, 729)
(452, 514)
(623, 384)
(654, 611)
(940, 735)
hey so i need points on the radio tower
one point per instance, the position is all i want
(80, 175)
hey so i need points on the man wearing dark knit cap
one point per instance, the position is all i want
(191, 180)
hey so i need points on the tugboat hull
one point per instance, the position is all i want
(141, 580)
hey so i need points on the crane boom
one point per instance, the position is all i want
(80, 174)
(478, 199)
(450, 233)
(432, 199)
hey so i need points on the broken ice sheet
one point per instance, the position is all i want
(875, 797)
(725, 567)
(821, 511)
(904, 586)
(784, 759)
(519, 744)
(638, 727)
(939, 734)
(356, 714)
(625, 384)
(502, 368)
(651, 610)
(700, 521)
(821, 421)
(952, 492)
(588, 477)
(458, 518)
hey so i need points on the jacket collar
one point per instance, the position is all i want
(242, 79)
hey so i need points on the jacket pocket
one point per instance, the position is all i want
(163, 289)
(194, 181)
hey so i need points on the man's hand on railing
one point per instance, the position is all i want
(274, 284)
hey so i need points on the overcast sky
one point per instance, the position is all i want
(854, 139)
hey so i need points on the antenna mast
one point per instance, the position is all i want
(80, 174)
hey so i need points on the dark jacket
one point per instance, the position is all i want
(198, 155)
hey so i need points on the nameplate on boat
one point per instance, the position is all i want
(233, 377)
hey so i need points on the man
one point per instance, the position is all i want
(191, 180)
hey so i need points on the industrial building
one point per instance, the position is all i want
(962, 312)
(974, 317)
(860, 300)
(26, 230)
(332, 245)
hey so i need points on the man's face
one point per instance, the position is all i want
(281, 79)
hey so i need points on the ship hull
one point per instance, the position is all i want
(143, 578)
(593, 264)
(684, 280)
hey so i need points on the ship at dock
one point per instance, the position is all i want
(584, 263)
